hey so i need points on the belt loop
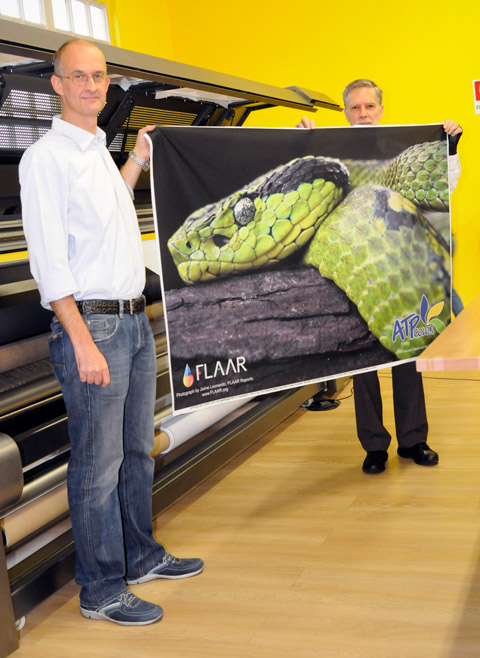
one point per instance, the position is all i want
(120, 308)
(131, 306)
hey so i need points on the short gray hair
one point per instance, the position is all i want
(58, 56)
(363, 82)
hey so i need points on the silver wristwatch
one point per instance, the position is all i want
(143, 164)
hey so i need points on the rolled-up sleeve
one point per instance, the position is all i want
(44, 189)
(454, 170)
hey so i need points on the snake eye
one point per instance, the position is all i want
(220, 240)
(244, 211)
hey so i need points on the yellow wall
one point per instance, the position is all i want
(143, 26)
(423, 54)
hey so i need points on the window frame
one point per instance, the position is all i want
(46, 10)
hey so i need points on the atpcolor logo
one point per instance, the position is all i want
(220, 369)
(408, 327)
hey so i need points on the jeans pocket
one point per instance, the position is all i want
(56, 344)
(101, 327)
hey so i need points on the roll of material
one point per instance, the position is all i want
(23, 352)
(173, 432)
(11, 475)
(180, 429)
(26, 520)
(161, 445)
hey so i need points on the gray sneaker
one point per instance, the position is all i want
(126, 610)
(171, 568)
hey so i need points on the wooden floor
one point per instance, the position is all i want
(306, 556)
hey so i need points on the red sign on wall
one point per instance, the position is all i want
(476, 95)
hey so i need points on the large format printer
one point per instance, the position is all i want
(37, 551)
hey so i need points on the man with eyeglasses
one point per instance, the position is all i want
(86, 256)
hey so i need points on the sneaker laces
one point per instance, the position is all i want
(128, 599)
(170, 559)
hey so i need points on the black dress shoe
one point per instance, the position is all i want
(320, 404)
(375, 461)
(421, 454)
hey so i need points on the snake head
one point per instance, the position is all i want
(203, 247)
(260, 224)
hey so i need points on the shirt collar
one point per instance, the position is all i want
(81, 137)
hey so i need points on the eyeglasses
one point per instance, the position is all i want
(81, 79)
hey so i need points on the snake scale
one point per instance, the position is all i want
(361, 224)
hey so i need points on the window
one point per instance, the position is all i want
(85, 18)
(25, 10)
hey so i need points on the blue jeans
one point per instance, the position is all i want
(110, 471)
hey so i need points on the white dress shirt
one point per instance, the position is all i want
(454, 170)
(79, 219)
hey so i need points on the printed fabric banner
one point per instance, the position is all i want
(290, 256)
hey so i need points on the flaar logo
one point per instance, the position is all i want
(202, 370)
(188, 378)
(420, 324)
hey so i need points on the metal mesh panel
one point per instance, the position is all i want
(22, 105)
(145, 116)
(117, 142)
(31, 105)
(19, 137)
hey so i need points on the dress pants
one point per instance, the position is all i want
(408, 404)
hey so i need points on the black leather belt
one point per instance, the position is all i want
(112, 306)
